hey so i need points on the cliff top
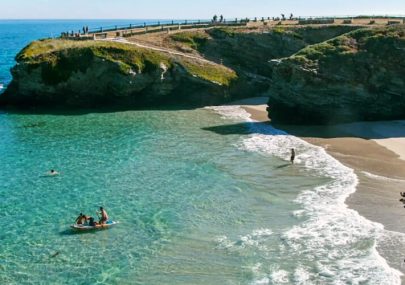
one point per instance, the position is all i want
(129, 57)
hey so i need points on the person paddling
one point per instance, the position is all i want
(292, 158)
(104, 216)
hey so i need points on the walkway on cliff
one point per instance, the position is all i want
(165, 50)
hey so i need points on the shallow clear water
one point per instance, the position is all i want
(197, 204)
(173, 186)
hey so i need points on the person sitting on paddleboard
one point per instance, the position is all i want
(92, 223)
(81, 219)
(104, 216)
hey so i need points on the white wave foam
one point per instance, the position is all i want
(378, 177)
(342, 242)
(254, 239)
(230, 112)
(279, 277)
(301, 276)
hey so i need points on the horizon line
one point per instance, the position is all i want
(147, 19)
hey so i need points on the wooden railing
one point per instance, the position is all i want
(169, 25)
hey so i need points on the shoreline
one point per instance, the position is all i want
(376, 153)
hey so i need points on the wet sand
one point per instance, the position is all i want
(373, 149)
(376, 152)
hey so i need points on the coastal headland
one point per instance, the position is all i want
(337, 84)
(303, 73)
(317, 73)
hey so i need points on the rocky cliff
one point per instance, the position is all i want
(94, 74)
(316, 74)
(73, 74)
(357, 76)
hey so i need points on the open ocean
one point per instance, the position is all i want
(203, 196)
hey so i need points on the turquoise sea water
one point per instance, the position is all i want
(175, 188)
(203, 196)
(197, 204)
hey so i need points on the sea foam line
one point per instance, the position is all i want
(378, 177)
(332, 232)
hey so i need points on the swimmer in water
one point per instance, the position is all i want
(52, 172)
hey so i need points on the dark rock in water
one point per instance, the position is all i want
(55, 254)
(356, 76)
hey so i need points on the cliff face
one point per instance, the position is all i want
(321, 74)
(250, 50)
(93, 74)
(356, 76)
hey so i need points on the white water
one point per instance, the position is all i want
(341, 243)
(383, 178)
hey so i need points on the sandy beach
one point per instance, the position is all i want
(375, 150)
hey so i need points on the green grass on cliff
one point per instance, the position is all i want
(63, 57)
(195, 40)
(46, 50)
(211, 72)
(355, 41)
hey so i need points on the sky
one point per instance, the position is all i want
(183, 9)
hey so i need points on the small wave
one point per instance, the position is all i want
(254, 239)
(279, 277)
(378, 177)
(230, 112)
(340, 241)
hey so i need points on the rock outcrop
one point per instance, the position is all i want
(320, 74)
(357, 76)
(72, 74)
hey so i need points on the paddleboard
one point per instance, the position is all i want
(85, 227)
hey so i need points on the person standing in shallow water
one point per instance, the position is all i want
(292, 156)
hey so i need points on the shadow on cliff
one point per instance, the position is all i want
(365, 130)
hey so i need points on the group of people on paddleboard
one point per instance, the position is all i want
(82, 219)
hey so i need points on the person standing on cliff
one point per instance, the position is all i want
(292, 156)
